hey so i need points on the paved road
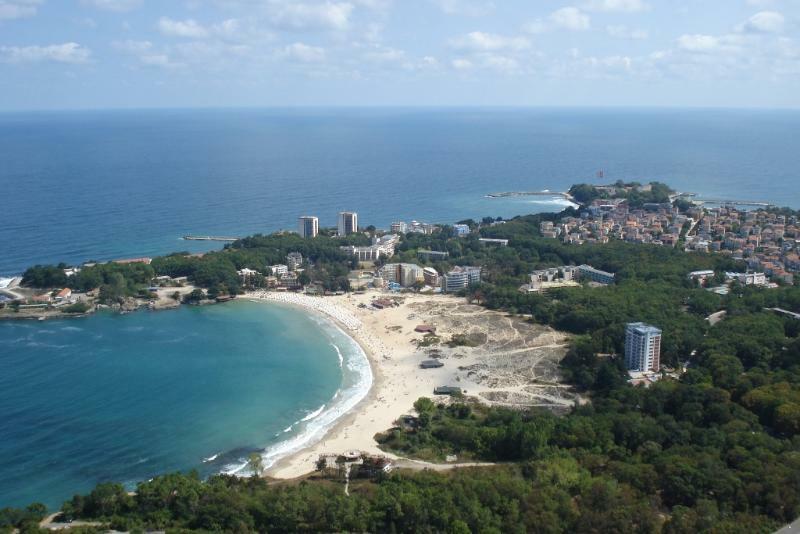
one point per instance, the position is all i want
(792, 528)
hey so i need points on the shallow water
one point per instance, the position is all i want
(124, 398)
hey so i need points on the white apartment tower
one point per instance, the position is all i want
(308, 226)
(348, 223)
(642, 347)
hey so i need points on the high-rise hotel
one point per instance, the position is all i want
(642, 347)
(308, 226)
(348, 223)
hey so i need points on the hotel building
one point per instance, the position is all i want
(308, 226)
(348, 223)
(642, 347)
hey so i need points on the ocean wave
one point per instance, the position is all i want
(357, 381)
(558, 201)
(71, 329)
(211, 458)
(338, 353)
(313, 414)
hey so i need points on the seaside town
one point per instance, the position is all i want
(400, 295)
(764, 241)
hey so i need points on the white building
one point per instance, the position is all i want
(461, 278)
(308, 226)
(381, 247)
(279, 270)
(461, 230)
(347, 223)
(642, 347)
(399, 227)
(748, 279)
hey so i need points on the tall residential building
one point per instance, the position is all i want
(308, 226)
(348, 223)
(642, 347)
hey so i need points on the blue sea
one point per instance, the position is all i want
(99, 185)
(124, 398)
(127, 397)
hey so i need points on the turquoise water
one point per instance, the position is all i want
(124, 398)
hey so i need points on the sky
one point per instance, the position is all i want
(79, 54)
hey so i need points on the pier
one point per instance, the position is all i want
(210, 238)
(566, 196)
(723, 202)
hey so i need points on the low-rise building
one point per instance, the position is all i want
(461, 230)
(432, 255)
(279, 270)
(596, 275)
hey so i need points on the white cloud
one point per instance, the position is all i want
(114, 5)
(302, 16)
(484, 42)
(623, 32)
(304, 53)
(570, 18)
(17, 9)
(764, 22)
(181, 28)
(156, 60)
(566, 18)
(698, 43)
(469, 8)
(462, 64)
(132, 46)
(59, 53)
(628, 6)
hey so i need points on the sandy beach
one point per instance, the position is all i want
(513, 363)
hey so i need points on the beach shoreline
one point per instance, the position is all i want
(390, 342)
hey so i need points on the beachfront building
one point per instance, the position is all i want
(279, 270)
(308, 226)
(64, 294)
(431, 277)
(248, 276)
(347, 223)
(642, 347)
(399, 227)
(461, 278)
(596, 275)
(294, 260)
(403, 274)
(461, 230)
